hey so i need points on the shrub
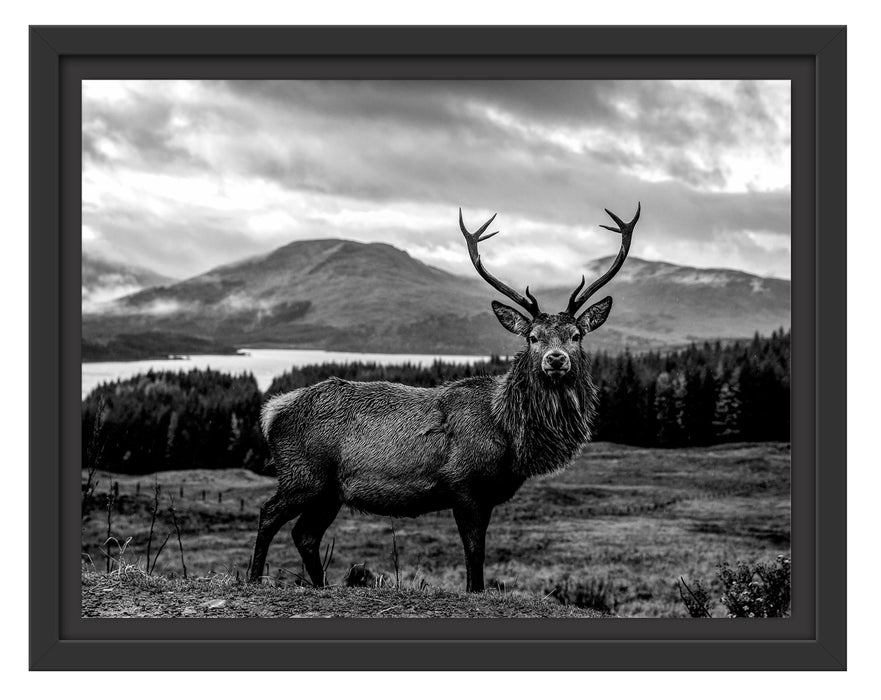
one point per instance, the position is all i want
(759, 590)
(593, 594)
(762, 590)
(359, 576)
(696, 598)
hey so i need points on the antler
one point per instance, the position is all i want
(531, 305)
(576, 301)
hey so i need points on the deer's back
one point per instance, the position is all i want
(389, 448)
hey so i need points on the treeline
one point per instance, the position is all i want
(200, 419)
(150, 345)
(700, 395)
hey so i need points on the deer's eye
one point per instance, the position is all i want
(576, 337)
(533, 339)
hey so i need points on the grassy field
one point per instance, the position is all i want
(614, 531)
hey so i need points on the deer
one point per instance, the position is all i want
(467, 445)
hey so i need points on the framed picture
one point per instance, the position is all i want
(290, 315)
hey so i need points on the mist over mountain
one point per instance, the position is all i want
(104, 280)
(372, 297)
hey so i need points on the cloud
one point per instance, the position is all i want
(182, 176)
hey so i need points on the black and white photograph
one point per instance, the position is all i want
(436, 349)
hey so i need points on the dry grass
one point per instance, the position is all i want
(132, 593)
(625, 521)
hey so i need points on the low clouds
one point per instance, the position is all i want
(183, 176)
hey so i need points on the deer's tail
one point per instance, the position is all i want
(273, 406)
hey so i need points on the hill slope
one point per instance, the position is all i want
(343, 295)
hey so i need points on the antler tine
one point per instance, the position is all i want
(574, 294)
(483, 228)
(576, 300)
(472, 239)
(618, 221)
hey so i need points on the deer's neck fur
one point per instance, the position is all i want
(547, 422)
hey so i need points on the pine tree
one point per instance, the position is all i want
(728, 414)
(668, 405)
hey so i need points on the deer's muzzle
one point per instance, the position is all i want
(556, 363)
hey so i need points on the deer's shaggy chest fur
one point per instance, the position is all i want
(546, 422)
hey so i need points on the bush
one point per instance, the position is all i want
(758, 590)
(359, 576)
(762, 590)
(696, 598)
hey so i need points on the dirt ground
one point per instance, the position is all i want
(135, 595)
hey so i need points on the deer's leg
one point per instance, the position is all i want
(472, 519)
(309, 530)
(277, 511)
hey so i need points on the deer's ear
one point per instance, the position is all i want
(511, 319)
(596, 315)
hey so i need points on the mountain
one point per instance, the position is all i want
(344, 295)
(104, 280)
(330, 294)
(660, 304)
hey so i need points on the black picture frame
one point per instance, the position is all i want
(812, 57)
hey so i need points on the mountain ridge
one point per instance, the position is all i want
(337, 294)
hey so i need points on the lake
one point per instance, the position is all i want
(264, 364)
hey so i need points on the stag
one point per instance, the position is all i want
(468, 445)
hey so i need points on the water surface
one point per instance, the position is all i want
(264, 364)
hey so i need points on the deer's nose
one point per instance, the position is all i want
(556, 359)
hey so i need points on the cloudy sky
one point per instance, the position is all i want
(182, 176)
